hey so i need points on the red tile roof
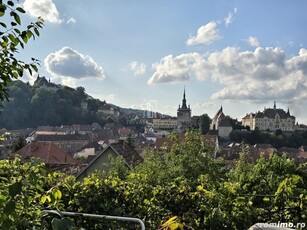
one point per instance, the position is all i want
(48, 152)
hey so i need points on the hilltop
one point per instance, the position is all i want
(47, 103)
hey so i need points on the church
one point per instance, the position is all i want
(183, 115)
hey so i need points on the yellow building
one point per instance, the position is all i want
(164, 123)
(270, 119)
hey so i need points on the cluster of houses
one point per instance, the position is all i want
(81, 149)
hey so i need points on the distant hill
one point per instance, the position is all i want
(46, 103)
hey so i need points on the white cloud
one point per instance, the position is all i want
(27, 77)
(253, 41)
(203, 105)
(70, 64)
(71, 21)
(43, 8)
(229, 19)
(137, 68)
(206, 34)
(177, 69)
(259, 75)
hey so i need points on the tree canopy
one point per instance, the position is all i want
(14, 36)
(32, 106)
(182, 187)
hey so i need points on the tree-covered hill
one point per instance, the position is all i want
(45, 103)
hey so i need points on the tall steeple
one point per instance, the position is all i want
(183, 115)
(274, 104)
(184, 101)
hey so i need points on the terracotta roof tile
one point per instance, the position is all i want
(48, 152)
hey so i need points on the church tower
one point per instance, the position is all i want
(184, 115)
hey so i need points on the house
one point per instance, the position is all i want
(81, 129)
(300, 127)
(51, 130)
(92, 148)
(150, 136)
(124, 133)
(102, 161)
(48, 152)
(108, 110)
(224, 128)
(54, 157)
(70, 143)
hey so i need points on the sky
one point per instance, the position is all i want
(239, 54)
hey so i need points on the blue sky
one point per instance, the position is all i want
(240, 54)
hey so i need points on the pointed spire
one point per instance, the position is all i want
(184, 101)
(288, 112)
(274, 104)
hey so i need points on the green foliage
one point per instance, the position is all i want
(180, 188)
(25, 189)
(203, 123)
(14, 37)
(19, 143)
(277, 138)
(32, 106)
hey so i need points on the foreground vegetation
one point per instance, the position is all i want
(185, 182)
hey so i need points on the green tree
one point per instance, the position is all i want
(204, 123)
(26, 189)
(19, 143)
(14, 37)
(15, 112)
(42, 109)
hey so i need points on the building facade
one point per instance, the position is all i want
(270, 119)
(183, 115)
(164, 123)
(219, 116)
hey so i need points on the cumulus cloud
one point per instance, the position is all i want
(259, 75)
(43, 8)
(229, 19)
(69, 63)
(206, 34)
(203, 105)
(177, 69)
(253, 41)
(137, 68)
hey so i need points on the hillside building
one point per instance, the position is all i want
(270, 119)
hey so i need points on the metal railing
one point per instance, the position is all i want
(77, 214)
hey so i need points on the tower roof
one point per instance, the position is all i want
(184, 103)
